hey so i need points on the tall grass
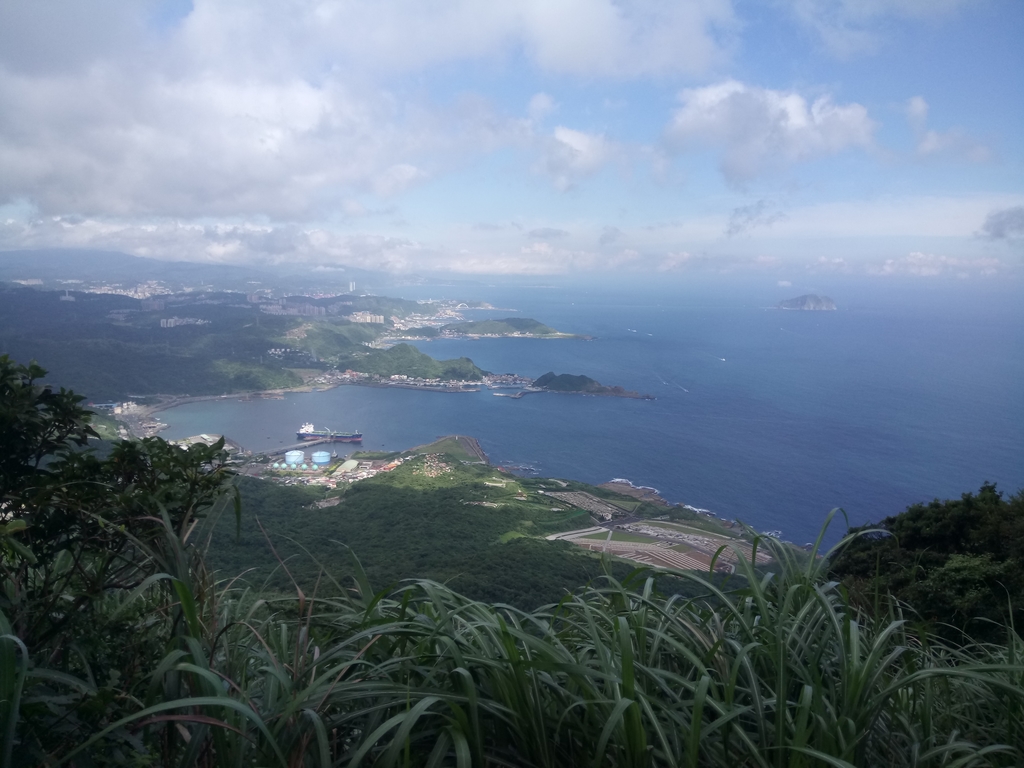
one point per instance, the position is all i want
(781, 671)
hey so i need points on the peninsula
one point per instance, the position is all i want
(582, 385)
(809, 301)
(516, 327)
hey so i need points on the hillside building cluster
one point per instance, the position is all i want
(174, 322)
(366, 317)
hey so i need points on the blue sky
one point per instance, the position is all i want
(868, 137)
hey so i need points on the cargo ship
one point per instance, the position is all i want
(309, 432)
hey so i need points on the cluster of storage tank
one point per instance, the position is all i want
(297, 460)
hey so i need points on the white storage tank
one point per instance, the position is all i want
(294, 457)
(321, 457)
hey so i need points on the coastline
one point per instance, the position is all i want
(629, 394)
(135, 420)
(478, 336)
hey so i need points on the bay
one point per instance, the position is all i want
(905, 394)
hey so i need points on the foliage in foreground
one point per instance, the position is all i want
(780, 673)
(959, 563)
(165, 667)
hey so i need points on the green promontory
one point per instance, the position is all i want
(567, 382)
(406, 360)
(509, 326)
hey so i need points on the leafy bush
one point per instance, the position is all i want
(959, 563)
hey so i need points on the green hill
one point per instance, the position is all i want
(567, 382)
(505, 327)
(406, 360)
(446, 525)
(113, 346)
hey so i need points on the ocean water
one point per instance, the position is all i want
(909, 392)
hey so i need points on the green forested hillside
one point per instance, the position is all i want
(113, 346)
(958, 563)
(107, 346)
(404, 525)
(567, 382)
(405, 359)
(504, 326)
(118, 647)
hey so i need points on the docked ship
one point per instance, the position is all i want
(309, 432)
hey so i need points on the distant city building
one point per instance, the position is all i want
(366, 317)
(29, 281)
(153, 305)
(67, 297)
(173, 322)
(140, 291)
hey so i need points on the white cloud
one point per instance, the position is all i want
(261, 131)
(759, 129)
(917, 113)
(930, 143)
(619, 38)
(849, 27)
(541, 105)
(785, 283)
(547, 233)
(919, 264)
(396, 179)
(953, 142)
(889, 217)
(116, 143)
(674, 261)
(570, 155)
(253, 109)
(625, 39)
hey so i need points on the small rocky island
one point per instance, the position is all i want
(582, 385)
(809, 301)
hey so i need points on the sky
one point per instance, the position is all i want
(539, 137)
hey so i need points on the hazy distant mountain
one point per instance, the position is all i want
(810, 301)
(54, 267)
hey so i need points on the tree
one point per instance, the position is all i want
(958, 563)
(81, 538)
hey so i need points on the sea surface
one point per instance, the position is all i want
(910, 391)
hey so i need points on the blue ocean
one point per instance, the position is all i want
(910, 391)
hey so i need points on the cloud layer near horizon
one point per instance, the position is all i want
(254, 132)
